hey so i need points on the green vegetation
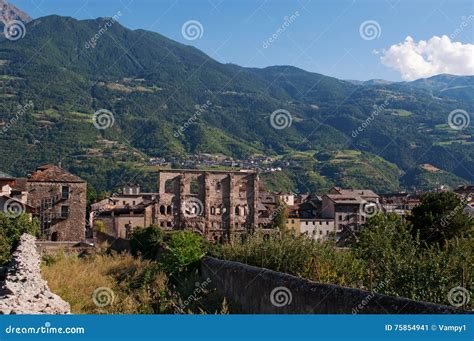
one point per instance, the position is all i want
(137, 89)
(163, 279)
(11, 229)
(440, 217)
(417, 260)
(122, 284)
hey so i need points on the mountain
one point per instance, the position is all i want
(169, 100)
(9, 12)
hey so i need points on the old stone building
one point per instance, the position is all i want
(216, 204)
(60, 201)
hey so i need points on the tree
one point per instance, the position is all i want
(146, 241)
(279, 216)
(184, 250)
(440, 217)
(11, 229)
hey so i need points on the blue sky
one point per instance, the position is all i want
(324, 36)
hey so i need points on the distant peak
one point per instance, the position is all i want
(9, 12)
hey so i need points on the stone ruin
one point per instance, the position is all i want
(24, 291)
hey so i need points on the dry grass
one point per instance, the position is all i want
(137, 286)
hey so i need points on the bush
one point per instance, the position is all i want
(11, 230)
(147, 241)
(183, 252)
(297, 255)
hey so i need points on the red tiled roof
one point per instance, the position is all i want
(52, 173)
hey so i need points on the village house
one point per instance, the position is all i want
(122, 213)
(59, 198)
(317, 228)
(13, 196)
(349, 207)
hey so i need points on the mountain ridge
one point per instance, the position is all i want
(153, 84)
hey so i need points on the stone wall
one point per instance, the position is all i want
(23, 290)
(258, 290)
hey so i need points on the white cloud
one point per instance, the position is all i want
(428, 58)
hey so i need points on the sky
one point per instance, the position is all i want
(358, 40)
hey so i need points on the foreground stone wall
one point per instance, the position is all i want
(23, 290)
(258, 290)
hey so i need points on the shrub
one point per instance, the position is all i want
(183, 252)
(147, 241)
(11, 229)
(297, 255)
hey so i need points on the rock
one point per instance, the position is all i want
(24, 291)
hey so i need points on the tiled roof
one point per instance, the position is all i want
(345, 199)
(5, 176)
(20, 185)
(52, 173)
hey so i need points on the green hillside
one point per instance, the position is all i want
(153, 86)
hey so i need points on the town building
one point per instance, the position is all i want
(349, 207)
(59, 198)
(13, 196)
(317, 229)
(120, 214)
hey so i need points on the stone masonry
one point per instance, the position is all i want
(216, 204)
(24, 291)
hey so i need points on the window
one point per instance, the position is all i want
(64, 212)
(169, 186)
(168, 223)
(168, 209)
(162, 209)
(65, 192)
(213, 210)
(133, 202)
(237, 210)
(292, 221)
(124, 202)
(194, 187)
(218, 186)
(340, 216)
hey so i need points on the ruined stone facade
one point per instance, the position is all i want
(216, 204)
